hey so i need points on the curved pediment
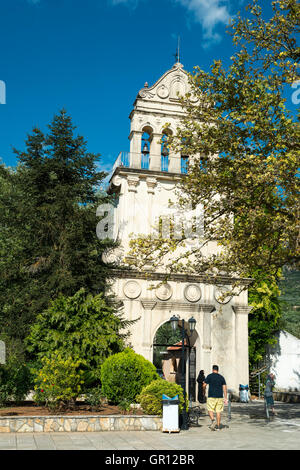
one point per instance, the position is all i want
(173, 84)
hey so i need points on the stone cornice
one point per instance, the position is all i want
(148, 304)
(144, 172)
(154, 276)
(172, 305)
(162, 175)
(242, 309)
(207, 308)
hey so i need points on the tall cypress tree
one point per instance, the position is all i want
(48, 241)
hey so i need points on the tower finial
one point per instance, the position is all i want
(177, 55)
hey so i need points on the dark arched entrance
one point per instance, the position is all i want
(167, 358)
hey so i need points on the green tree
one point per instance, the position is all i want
(48, 241)
(273, 42)
(83, 327)
(243, 169)
(243, 147)
(265, 316)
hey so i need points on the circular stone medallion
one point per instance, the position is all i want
(192, 293)
(163, 292)
(162, 91)
(220, 292)
(132, 289)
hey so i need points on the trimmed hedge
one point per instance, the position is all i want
(124, 375)
(150, 397)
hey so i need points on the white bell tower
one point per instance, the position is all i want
(144, 180)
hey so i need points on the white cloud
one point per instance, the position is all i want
(209, 13)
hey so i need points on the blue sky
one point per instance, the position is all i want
(92, 57)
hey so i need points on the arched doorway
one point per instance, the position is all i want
(167, 357)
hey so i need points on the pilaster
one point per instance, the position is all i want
(241, 342)
(148, 306)
(155, 153)
(206, 338)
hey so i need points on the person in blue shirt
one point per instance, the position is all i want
(217, 396)
(268, 394)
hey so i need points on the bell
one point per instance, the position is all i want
(145, 150)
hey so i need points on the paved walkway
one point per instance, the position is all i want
(247, 430)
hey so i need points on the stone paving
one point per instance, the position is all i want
(248, 429)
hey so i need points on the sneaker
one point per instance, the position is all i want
(217, 428)
(212, 425)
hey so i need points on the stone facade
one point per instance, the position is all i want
(144, 188)
(80, 423)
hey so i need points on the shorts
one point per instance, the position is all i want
(215, 404)
(269, 401)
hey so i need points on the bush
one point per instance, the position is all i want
(95, 398)
(81, 326)
(59, 382)
(123, 376)
(15, 381)
(150, 397)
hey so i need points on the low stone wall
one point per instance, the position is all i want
(289, 397)
(80, 423)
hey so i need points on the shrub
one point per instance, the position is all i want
(125, 406)
(81, 326)
(15, 381)
(95, 398)
(59, 382)
(150, 397)
(123, 376)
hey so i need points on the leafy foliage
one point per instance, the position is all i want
(48, 243)
(59, 382)
(273, 42)
(124, 375)
(15, 380)
(95, 398)
(83, 327)
(264, 318)
(164, 335)
(150, 397)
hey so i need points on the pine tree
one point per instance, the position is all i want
(48, 241)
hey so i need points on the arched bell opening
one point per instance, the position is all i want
(145, 147)
(184, 157)
(165, 151)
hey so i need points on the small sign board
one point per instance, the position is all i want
(2, 352)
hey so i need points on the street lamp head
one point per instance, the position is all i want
(174, 322)
(192, 324)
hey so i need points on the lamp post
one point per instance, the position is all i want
(192, 324)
